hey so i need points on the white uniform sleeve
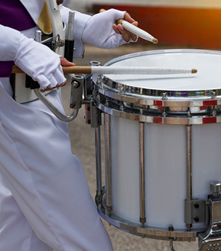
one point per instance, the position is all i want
(9, 43)
(96, 30)
(79, 26)
(39, 62)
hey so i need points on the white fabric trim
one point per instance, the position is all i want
(9, 42)
(34, 8)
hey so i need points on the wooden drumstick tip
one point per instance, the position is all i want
(155, 41)
(194, 71)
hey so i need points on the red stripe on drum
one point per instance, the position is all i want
(157, 120)
(137, 118)
(161, 108)
(158, 103)
(209, 120)
(203, 108)
(209, 102)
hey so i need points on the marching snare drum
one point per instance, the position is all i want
(163, 143)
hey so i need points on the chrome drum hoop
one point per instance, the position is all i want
(160, 117)
(146, 94)
(143, 97)
(150, 232)
(194, 106)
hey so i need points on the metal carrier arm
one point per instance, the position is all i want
(53, 109)
(58, 46)
(77, 82)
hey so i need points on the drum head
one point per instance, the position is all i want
(208, 64)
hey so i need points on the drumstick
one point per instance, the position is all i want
(135, 30)
(117, 70)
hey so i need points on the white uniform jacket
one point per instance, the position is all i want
(45, 202)
(9, 39)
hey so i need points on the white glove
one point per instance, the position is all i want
(99, 31)
(39, 62)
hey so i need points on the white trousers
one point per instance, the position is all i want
(45, 202)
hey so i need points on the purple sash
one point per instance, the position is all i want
(14, 15)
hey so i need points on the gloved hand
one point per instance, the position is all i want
(101, 31)
(39, 62)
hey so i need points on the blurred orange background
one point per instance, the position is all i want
(193, 27)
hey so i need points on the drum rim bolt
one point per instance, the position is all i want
(98, 96)
(98, 80)
(165, 96)
(189, 113)
(95, 63)
(122, 88)
(164, 113)
(214, 113)
(107, 103)
(213, 95)
(75, 84)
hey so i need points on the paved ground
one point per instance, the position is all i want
(82, 137)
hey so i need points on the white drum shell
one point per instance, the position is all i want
(165, 169)
(165, 143)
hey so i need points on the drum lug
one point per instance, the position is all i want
(211, 239)
(195, 211)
